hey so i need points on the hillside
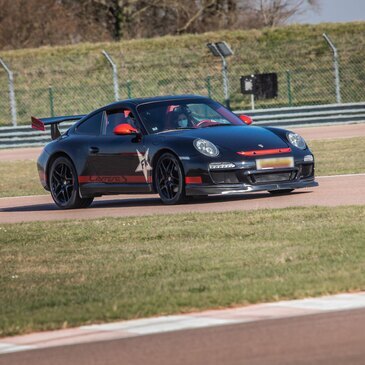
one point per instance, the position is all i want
(81, 79)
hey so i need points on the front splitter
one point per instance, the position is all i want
(243, 188)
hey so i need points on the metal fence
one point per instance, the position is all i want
(48, 83)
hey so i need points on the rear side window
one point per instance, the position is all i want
(91, 125)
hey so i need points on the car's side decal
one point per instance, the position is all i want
(118, 179)
(144, 165)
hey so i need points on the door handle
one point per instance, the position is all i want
(94, 150)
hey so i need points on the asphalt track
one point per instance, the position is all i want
(321, 330)
(335, 338)
(333, 191)
(309, 133)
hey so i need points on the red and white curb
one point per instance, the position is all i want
(212, 318)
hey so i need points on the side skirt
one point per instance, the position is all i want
(98, 189)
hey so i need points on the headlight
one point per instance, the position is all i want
(206, 148)
(296, 140)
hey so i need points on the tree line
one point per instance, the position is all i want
(33, 23)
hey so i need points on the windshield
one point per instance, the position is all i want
(171, 115)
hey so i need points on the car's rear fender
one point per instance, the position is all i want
(50, 161)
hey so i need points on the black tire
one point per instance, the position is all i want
(281, 192)
(169, 179)
(64, 186)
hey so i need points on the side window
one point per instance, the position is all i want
(91, 125)
(114, 118)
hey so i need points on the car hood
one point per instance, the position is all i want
(236, 138)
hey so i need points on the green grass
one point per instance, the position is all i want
(81, 78)
(339, 156)
(63, 274)
(19, 178)
(332, 157)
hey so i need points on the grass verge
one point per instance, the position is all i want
(19, 178)
(62, 274)
(339, 156)
(332, 157)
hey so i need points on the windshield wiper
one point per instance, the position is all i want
(173, 130)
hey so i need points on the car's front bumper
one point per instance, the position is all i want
(199, 189)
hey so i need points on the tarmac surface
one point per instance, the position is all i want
(324, 331)
(332, 191)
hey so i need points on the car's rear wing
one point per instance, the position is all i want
(40, 124)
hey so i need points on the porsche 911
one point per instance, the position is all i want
(176, 146)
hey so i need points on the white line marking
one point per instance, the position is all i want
(161, 324)
(147, 326)
(134, 323)
(329, 303)
(6, 348)
(345, 175)
(200, 320)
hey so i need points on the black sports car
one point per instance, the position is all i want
(177, 146)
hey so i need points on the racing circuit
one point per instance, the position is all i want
(163, 240)
(285, 333)
(333, 191)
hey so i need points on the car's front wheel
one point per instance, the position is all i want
(64, 185)
(169, 178)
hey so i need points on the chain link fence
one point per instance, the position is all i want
(77, 80)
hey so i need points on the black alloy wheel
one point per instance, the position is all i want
(64, 185)
(281, 192)
(169, 178)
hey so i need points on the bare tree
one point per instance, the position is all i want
(31, 23)
(270, 13)
(149, 18)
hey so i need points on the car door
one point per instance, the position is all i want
(122, 160)
(85, 147)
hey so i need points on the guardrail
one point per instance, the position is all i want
(24, 136)
(306, 115)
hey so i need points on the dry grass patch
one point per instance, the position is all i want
(19, 178)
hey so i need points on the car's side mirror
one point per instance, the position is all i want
(124, 129)
(246, 119)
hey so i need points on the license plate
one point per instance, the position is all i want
(274, 163)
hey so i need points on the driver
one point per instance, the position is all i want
(182, 119)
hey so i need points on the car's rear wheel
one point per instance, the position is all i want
(281, 192)
(64, 185)
(169, 178)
